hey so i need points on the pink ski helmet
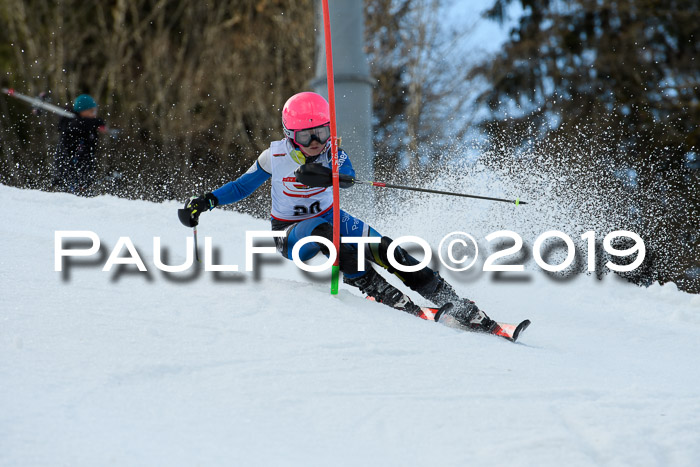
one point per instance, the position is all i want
(304, 111)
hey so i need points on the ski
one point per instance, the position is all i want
(511, 331)
(508, 331)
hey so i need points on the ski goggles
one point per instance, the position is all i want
(304, 137)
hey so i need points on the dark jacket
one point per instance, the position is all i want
(76, 155)
(79, 136)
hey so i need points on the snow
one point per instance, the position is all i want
(133, 368)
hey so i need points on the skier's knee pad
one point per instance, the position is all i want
(323, 229)
(347, 254)
(315, 226)
(302, 230)
(415, 280)
(400, 255)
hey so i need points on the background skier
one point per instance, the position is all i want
(75, 163)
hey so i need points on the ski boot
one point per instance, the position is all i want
(466, 315)
(376, 287)
(463, 313)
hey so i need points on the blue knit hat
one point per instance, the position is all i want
(83, 102)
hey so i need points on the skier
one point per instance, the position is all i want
(75, 162)
(299, 166)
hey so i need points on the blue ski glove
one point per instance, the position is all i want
(189, 216)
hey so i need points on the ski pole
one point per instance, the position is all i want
(186, 220)
(36, 102)
(516, 201)
(316, 175)
(196, 249)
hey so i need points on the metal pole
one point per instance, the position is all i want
(353, 84)
(515, 201)
(39, 103)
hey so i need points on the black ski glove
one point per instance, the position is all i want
(189, 216)
(316, 175)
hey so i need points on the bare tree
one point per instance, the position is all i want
(197, 87)
(419, 62)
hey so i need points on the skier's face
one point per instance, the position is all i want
(312, 141)
(89, 113)
(314, 149)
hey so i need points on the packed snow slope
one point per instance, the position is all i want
(266, 368)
